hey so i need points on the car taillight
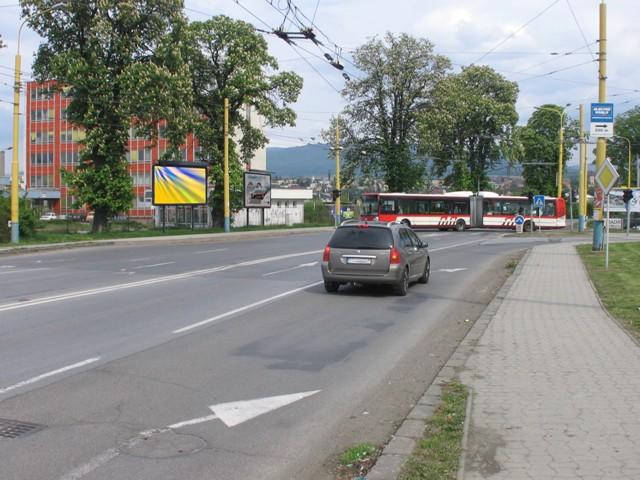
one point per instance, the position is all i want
(394, 256)
(326, 254)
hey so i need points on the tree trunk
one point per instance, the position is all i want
(100, 221)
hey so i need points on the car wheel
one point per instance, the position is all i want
(461, 226)
(402, 287)
(331, 287)
(427, 272)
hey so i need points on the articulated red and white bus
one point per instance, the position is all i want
(462, 210)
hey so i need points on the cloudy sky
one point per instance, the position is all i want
(548, 46)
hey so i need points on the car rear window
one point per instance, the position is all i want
(363, 238)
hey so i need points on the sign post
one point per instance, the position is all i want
(606, 178)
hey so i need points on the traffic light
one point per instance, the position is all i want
(530, 197)
(627, 195)
(336, 194)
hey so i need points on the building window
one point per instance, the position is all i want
(38, 138)
(42, 115)
(70, 158)
(41, 181)
(141, 178)
(64, 113)
(41, 93)
(162, 131)
(133, 135)
(42, 158)
(66, 136)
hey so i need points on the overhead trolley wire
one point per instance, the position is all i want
(587, 44)
(512, 34)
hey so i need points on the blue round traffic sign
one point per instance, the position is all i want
(519, 220)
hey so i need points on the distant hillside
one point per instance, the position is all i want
(314, 160)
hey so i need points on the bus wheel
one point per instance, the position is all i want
(529, 226)
(461, 226)
(406, 223)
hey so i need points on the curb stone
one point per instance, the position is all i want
(396, 453)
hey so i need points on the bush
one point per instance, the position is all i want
(28, 219)
(317, 213)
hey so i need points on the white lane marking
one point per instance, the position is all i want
(242, 309)
(154, 265)
(24, 270)
(49, 374)
(212, 251)
(193, 421)
(450, 270)
(142, 283)
(91, 465)
(302, 265)
(7, 266)
(454, 245)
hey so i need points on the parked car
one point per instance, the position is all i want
(375, 253)
(48, 216)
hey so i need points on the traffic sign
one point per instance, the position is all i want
(538, 200)
(601, 120)
(606, 176)
(519, 220)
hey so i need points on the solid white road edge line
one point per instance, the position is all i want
(211, 251)
(151, 281)
(49, 374)
(242, 309)
(6, 272)
(155, 265)
(455, 245)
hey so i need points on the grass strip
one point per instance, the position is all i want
(438, 454)
(618, 286)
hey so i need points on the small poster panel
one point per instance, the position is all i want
(257, 189)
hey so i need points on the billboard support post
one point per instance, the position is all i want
(227, 223)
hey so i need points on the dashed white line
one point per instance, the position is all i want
(155, 265)
(242, 309)
(212, 251)
(455, 245)
(7, 272)
(49, 374)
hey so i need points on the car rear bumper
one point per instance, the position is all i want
(390, 277)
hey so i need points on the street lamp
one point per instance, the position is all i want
(15, 166)
(560, 159)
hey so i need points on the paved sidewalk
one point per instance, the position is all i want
(555, 382)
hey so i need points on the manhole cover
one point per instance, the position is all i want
(15, 428)
(164, 445)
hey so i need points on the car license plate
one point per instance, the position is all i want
(359, 261)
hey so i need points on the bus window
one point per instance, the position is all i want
(510, 207)
(438, 206)
(370, 206)
(388, 206)
(549, 208)
(461, 207)
(407, 206)
(422, 206)
(491, 206)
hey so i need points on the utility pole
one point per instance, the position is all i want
(601, 149)
(227, 222)
(337, 202)
(582, 183)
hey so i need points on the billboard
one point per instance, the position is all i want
(257, 189)
(179, 184)
(617, 205)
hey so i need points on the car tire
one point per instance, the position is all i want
(461, 226)
(426, 274)
(402, 287)
(331, 287)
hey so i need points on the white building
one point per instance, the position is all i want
(287, 208)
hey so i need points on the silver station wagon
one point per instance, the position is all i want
(375, 253)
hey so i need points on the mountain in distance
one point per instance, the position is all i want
(317, 160)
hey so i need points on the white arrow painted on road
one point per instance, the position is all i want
(451, 270)
(302, 265)
(231, 414)
(235, 413)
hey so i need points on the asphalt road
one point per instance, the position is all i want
(131, 358)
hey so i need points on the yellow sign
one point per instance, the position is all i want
(606, 176)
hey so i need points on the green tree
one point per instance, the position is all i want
(627, 125)
(228, 59)
(469, 125)
(379, 124)
(540, 140)
(119, 59)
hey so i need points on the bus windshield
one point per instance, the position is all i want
(370, 205)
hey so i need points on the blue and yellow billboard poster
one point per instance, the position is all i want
(179, 185)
